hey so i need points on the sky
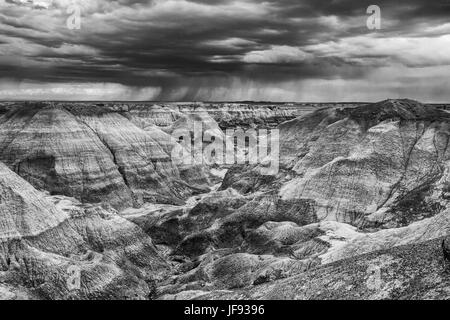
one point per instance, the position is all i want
(224, 50)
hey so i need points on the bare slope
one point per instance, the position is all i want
(43, 238)
(95, 158)
(379, 165)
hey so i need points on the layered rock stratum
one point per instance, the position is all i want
(45, 240)
(353, 182)
(93, 156)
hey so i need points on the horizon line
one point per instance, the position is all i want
(212, 101)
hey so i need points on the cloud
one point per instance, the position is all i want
(230, 43)
(410, 51)
(277, 54)
(38, 4)
(74, 91)
(211, 49)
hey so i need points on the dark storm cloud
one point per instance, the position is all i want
(199, 43)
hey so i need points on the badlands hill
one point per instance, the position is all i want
(358, 209)
(353, 181)
(45, 239)
(94, 157)
(373, 166)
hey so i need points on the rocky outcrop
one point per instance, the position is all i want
(371, 166)
(346, 242)
(360, 202)
(194, 132)
(227, 115)
(403, 273)
(223, 270)
(144, 160)
(182, 227)
(164, 114)
(56, 248)
(95, 157)
(254, 115)
(369, 161)
(156, 115)
(54, 151)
